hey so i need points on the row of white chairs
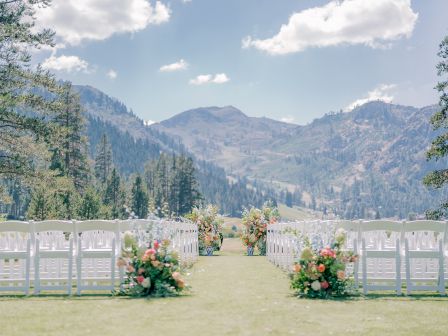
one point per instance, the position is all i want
(392, 253)
(42, 254)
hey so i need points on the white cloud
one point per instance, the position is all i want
(77, 20)
(210, 79)
(373, 23)
(148, 122)
(112, 74)
(66, 63)
(288, 119)
(181, 65)
(381, 92)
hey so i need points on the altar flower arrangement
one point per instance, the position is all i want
(255, 225)
(209, 228)
(153, 271)
(322, 273)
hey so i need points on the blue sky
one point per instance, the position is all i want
(330, 55)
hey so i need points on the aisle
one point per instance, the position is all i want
(232, 294)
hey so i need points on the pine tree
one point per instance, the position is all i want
(103, 160)
(114, 195)
(439, 148)
(24, 138)
(139, 198)
(70, 154)
(90, 204)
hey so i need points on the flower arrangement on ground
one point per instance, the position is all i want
(322, 273)
(255, 223)
(209, 228)
(154, 271)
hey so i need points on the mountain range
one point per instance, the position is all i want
(358, 164)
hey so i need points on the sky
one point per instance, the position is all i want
(290, 60)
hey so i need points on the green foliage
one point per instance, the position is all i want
(90, 205)
(103, 160)
(139, 198)
(24, 139)
(439, 148)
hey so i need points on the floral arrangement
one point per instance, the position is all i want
(322, 273)
(255, 223)
(154, 271)
(209, 227)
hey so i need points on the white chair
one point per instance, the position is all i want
(353, 236)
(380, 251)
(424, 254)
(53, 256)
(96, 254)
(15, 256)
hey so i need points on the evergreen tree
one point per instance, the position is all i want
(439, 147)
(70, 154)
(90, 205)
(24, 138)
(103, 160)
(115, 196)
(139, 198)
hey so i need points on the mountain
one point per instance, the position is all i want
(133, 144)
(225, 135)
(355, 164)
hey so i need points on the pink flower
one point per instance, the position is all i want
(176, 275)
(324, 284)
(341, 275)
(156, 244)
(121, 262)
(327, 253)
(150, 251)
(130, 268)
(321, 268)
(141, 270)
(140, 279)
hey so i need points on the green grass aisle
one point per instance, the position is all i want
(232, 295)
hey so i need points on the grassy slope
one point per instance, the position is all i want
(232, 295)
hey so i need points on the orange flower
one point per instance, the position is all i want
(297, 268)
(321, 268)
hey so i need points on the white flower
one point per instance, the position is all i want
(315, 285)
(146, 283)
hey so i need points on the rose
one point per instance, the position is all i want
(297, 268)
(146, 283)
(141, 270)
(176, 275)
(180, 283)
(140, 279)
(341, 275)
(121, 262)
(321, 268)
(315, 285)
(130, 268)
(155, 263)
(156, 244)
(324, 284)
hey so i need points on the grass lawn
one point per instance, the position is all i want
(231, 295)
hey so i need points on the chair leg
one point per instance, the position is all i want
(37, 269)
(441, 269)
(364, 268)
(398, 267)
(408, 268)
(78, 268)
(70, 269)
(27, 268)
